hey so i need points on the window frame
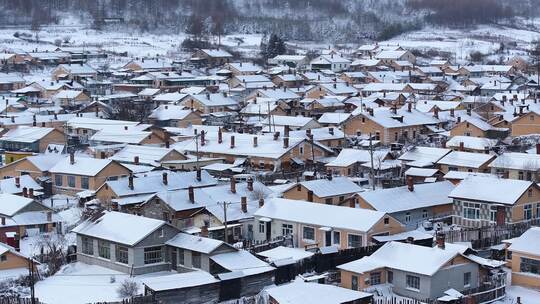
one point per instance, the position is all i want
(153, 255)
(412, 282)
(304, 230)
(467, 278)
(121, 254)
(104, 249)
(287, 229)
(71, 181)
(87, 245)
(349, 235)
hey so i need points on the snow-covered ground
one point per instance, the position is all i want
(82, 283)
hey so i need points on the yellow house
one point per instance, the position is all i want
(524, 257)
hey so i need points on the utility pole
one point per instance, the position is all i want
(371, 157)
(226, 236)
(31, 273)
(197, 149)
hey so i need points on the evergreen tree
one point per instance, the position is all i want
(275, 46)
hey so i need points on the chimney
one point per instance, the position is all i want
(370, 111)
(254, 141)
(49, 216)
(12, 118)
(199, 176)
(204, 230)
(114, 206)
(233, 185)
(331, 131)
(31, 193)
(409, 107)
(72, 158)
(130, 181)
(410, 240)
(276, 135)
(469, 111)
(3, 220)
(25, 192)
(310, 196)
(285, 142)
(232, 142)
(243, 204)
(167, 144)
(202, 138)
(219, 136)
(329, 175)
(191, 194)
(250, 183)
(308, 132)
(459, 119)
(440, 240)
(452, 113)
(136, 160)
(436, 112)
(486, 150)
(165, 181)
(18, 178)
(461, 146)
(410, 183)
(126, 128)
(55, 116)
(538, 148)
(352, 203)
(261, 202)
(102, 154)
(286, 130)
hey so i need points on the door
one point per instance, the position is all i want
(268, 231)
(501, 215)
(174, 257)
(328, 238)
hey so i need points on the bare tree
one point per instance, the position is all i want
(128, 288)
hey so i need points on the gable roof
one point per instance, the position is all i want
(490, 189)
(527, 242)
(11, 204)
(337, 186)
(118, 227)
(465, 159)
(196, 243)
(26, 134)
(86, 166)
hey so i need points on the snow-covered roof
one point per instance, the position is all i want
(147, 154)
(78, 68)
(170, 97)
(517, 161)
(196, 243)
(281, 253)
(354, 219)
(179, 280)
(528, 242)
(348, 157)
(97, 124)
(213, 100)
(421, 172)
(390, 54)
(406, 257)
(471, 142)
(86, 166)
(168, 112)
(334, 118)
(299, 292)
(459, 175)
(26, 134)
(241, 263)
(216, 53)
(11, 204)
(25, 181)
(67, 94)
(490, 189)
(44, 162)
(401, 118)
(337, 186)
(428, 154)
(401, 199)
(465, 159)
(119, 227)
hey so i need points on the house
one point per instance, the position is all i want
(299, 292)
(148, 65)
(421, 272)
(74, 174)
(465, 161)
(31, 139)
(526, 124)
(333, 119)
(388, 57)
(194, 286)
(330, 190)
(321, 225)
(83, 128)
(481, 201)
(471, 144)
(389, 124)
(35, 166)
(11, 82)
(334, 63)
(14, 264)
(348, 161)
(141, 134)
(211, 57)
(293, 122)
(209, 103)
(332, 89)
(474, 126)
(75, 72)
(124, 242)
(146, 155)
(288, 80)
(412, 204)
(174, 116)
(514, 165)
(25, 216)
(293, 61)
(524, 256)
(420, 156)
(243, 68)
(19, 185)
(71, 99)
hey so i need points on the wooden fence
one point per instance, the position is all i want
(18, 300)
(149, 299)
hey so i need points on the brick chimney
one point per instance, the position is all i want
(243, 204)
(49, 216)
(165, 181)
(191, 194)
(136, 160)
(199, 175)
(461, 146)
(18, 178)
(130, 181)
(71, 158)
(285, 142)
(409, 107)
(310, 196)
(452, 114)
(3, 220)
(308, 132)
(232, 142)
(25, 192)
(538, 148)
(261, 202)
(286, 130)
(250, 183)
(459, 119)
(233, 185)
(219, 136)
(167, 144)
(114, 206)
(203, 142)
(276, 135)
(255, 141)
(31, 193)
(204, 230)
(410, 183)
(102, 154)
(436, 112)
(329, 175)
(331, 130)
(440, 239)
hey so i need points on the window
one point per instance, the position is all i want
(58, 180)
(531, 117)
(363, 120)
(152, 255)
(508, 254)
(308, 233)
(71, 181)
(529, 265)
(354, 282)
(104, 249)
(493, 213)
(180, 259)
(467, 279)
(261, 227)
(3, 258)
(87, 246)
(121, 254)
(341, 198)
(390, 276)
(354, 240)
(196, 259)
(407, 217)
(424, 213)
(413, 282)
(527, 212)
(471, 211)
(336, 237)
(386, 221)
(375, 278)
(286, 229)
(451, 168)
(328, 201)
(84, 182)
(538, 210)
(520, 175)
